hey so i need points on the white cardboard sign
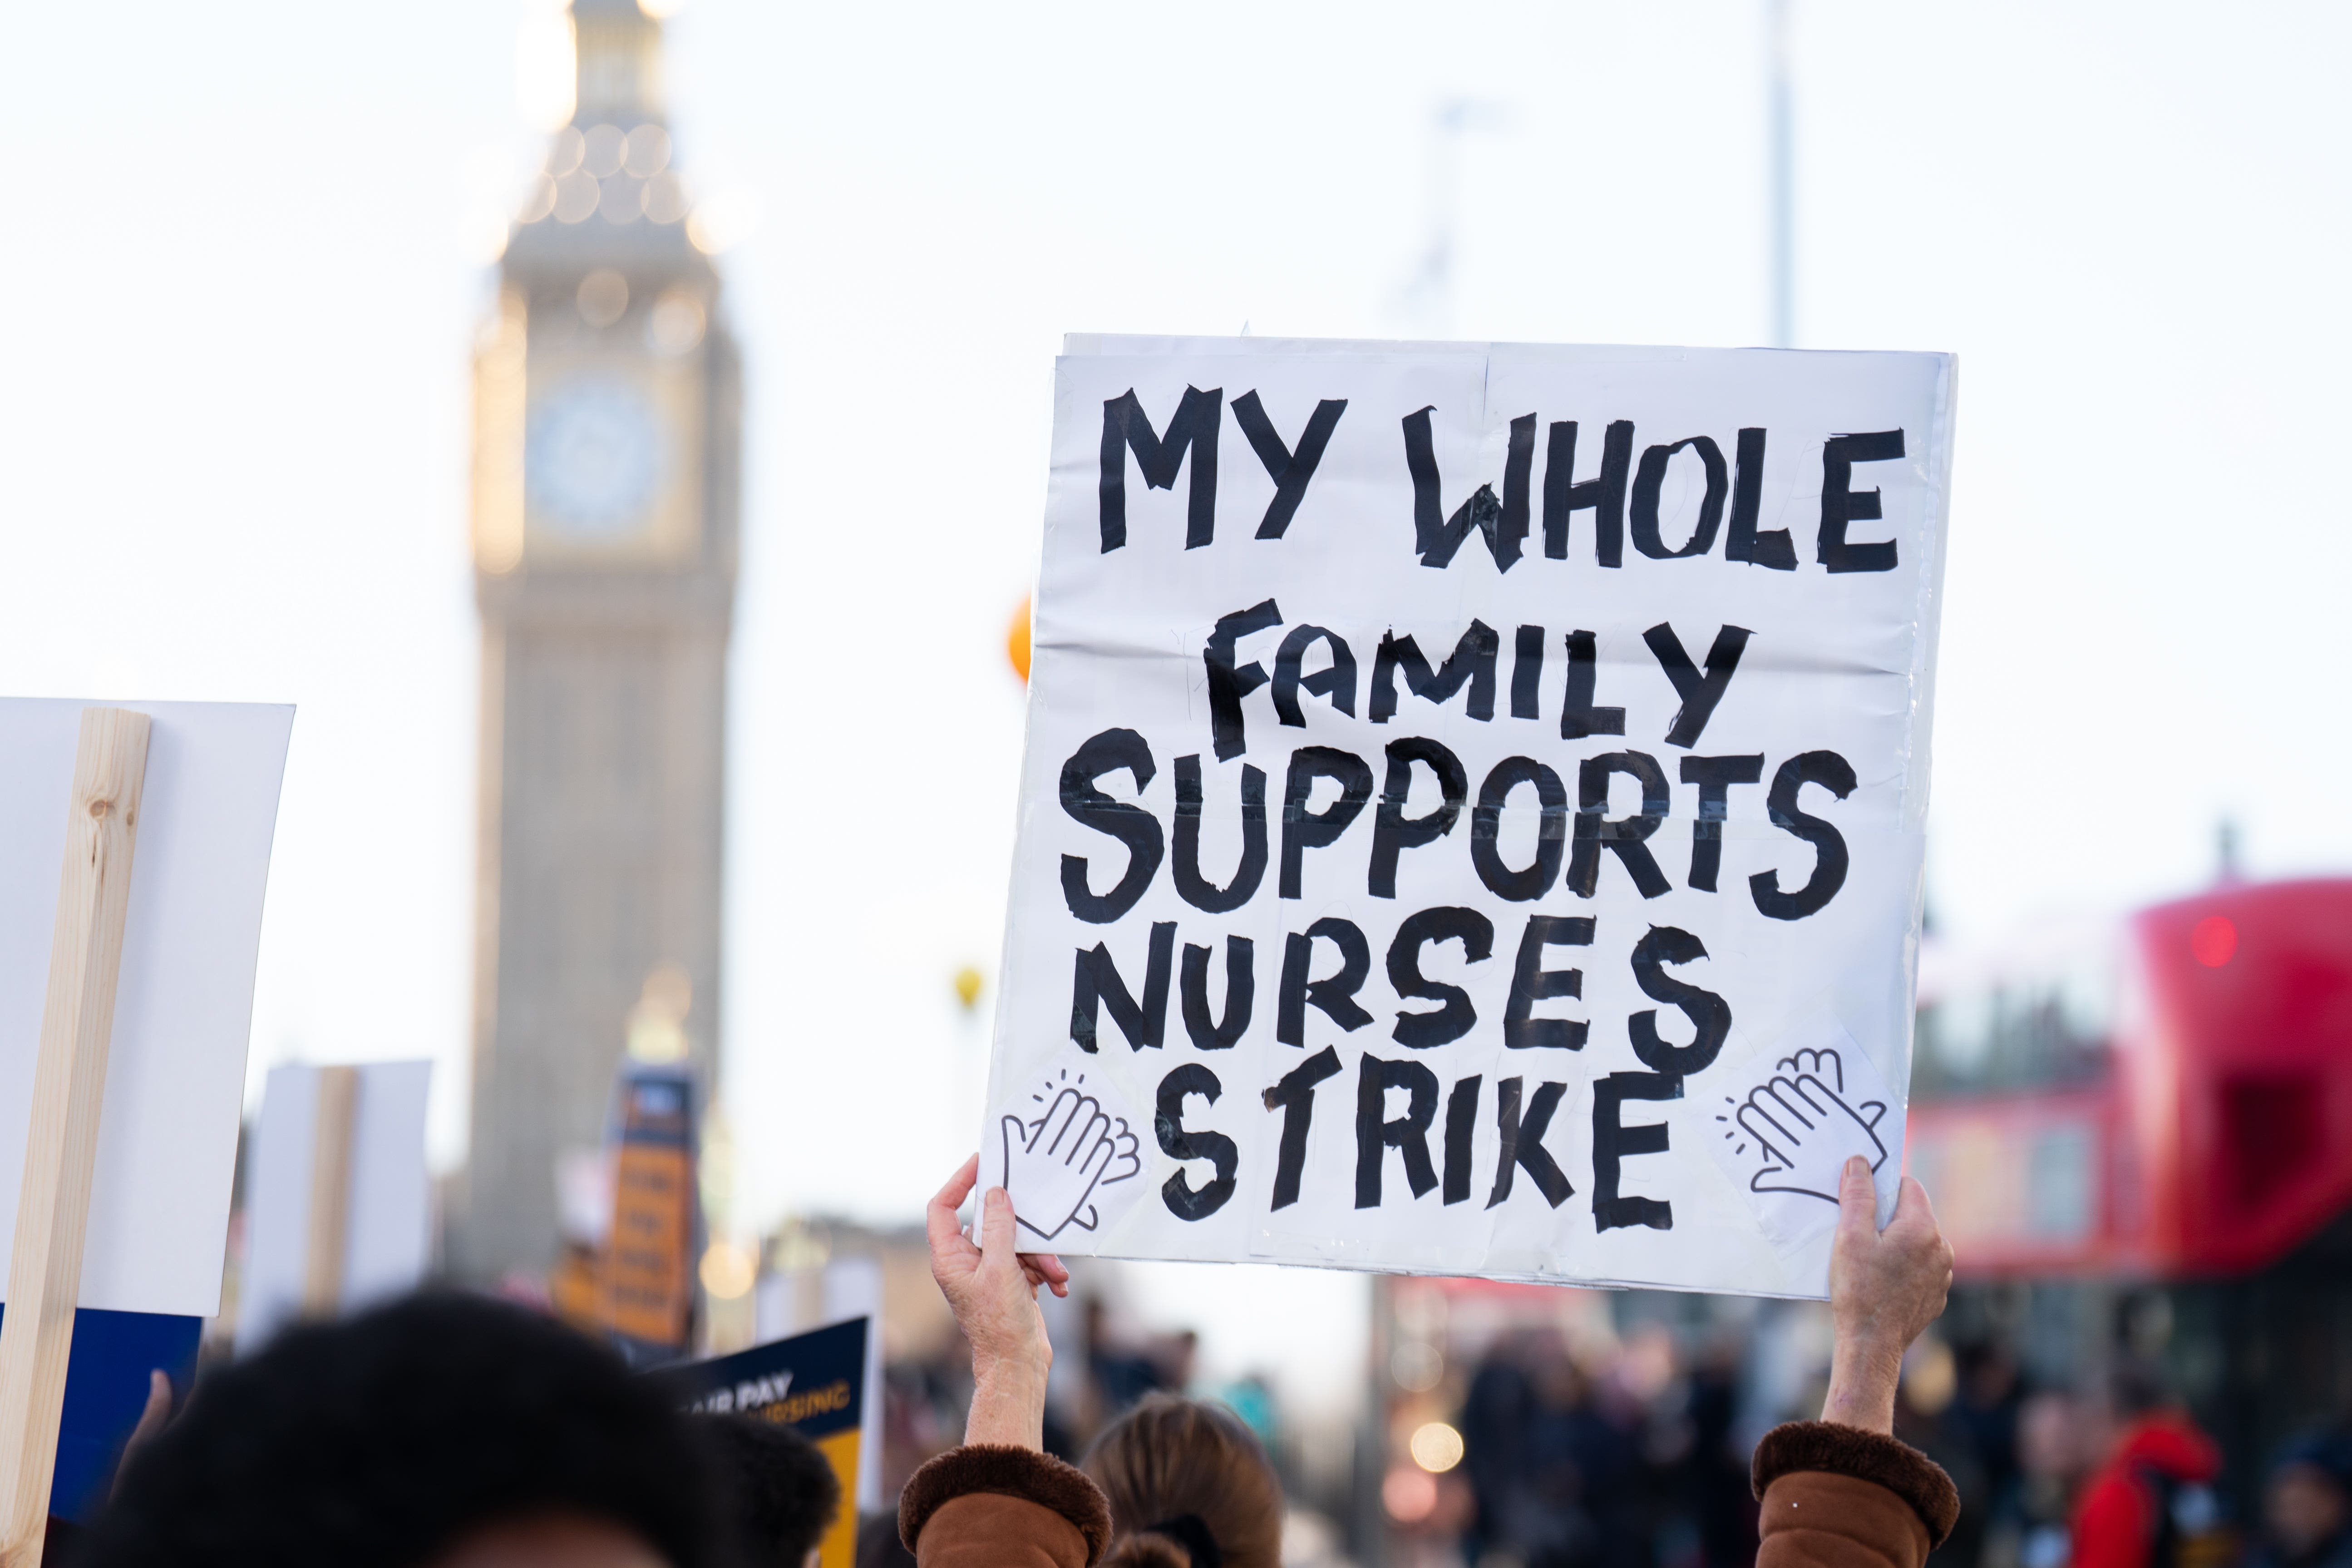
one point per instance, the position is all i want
(1461, 779)
(387, 1228)
(183, 1003)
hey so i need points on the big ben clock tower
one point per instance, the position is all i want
(606, 455)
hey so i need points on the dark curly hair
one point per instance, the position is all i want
(383, 1440)
(784, 1491)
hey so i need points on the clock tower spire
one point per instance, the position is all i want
(618, 50)
(606, 458)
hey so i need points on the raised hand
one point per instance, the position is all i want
(1808, 1131)
(1056, 1162)
(992, 1291)
(151, 1418)
(1885, 1287)
(955, 1257)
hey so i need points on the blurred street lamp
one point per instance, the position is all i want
(727, 1270)
(1781, 143)
(656, 1027)
(1436, 1448)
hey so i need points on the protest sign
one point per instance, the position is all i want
(791, 1301)
(125, 1001)
(175, 1091)
(815, 1383)
(338, 1205)
(646, 1274)
(1472, 813)
(107, 1373)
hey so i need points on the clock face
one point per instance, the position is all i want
(593, 459)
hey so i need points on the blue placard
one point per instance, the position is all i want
(106, 1388)
(814, 1381)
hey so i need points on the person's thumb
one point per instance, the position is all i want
(1857, 1200)
(996, 1238)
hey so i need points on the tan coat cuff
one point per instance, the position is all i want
(1800, 1447)
(994, 1499)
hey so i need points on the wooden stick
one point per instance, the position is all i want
(53, 1205)
(331, 1191)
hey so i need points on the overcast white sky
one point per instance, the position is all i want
(245, 256)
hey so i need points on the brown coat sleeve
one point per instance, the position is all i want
(1838, 1497)
(991, 1506)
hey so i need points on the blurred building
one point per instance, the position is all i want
(606, 441)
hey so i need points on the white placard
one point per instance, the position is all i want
(183, 1005)
(1452, 771)
(388, 1216)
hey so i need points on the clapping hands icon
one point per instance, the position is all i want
(1053, 1165)
(1802, 1123)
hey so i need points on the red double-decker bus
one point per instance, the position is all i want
(2143, 1130)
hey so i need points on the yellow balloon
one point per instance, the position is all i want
(968, 981)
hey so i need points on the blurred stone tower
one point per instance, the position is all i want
(607, 453)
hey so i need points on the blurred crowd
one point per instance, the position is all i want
(1577, 1463)
(1103, 1367)
(2116, 1472)
(1530, 1428)
(1582, 1449)
(1573, 1458)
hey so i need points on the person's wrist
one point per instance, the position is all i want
(1008, 1400)
(1012, 1365)
(1865, 1373)
(1868, 1347)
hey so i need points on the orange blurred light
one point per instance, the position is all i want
(728, 1271)
(2213, 940)
(1016, 642)
(1409, 1495)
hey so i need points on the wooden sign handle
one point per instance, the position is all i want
(331, 1191)
(53, 1205)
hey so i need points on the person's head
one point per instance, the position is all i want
(1989, 1375)
(785, 1493)
(2308, 1502)
(2136, 1390)
(1189, 1488)
(2052, 1440)
(442, 1431)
